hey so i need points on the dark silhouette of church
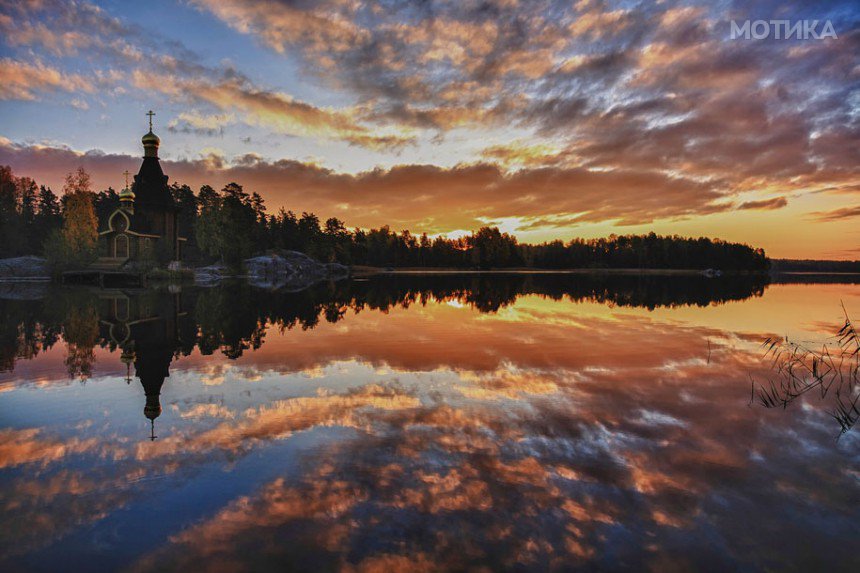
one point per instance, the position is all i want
(149, 328)
(145, 225)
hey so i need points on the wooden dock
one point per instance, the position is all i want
(106, 271)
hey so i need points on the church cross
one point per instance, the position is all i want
(126, 173)
(150, 113)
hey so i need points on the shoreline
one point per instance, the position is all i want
(374, 271)
(366, 272)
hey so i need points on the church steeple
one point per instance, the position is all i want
(152, 410)
(150, 183)
(126, 196)
(150, 140)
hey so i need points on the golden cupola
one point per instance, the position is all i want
(150, 140)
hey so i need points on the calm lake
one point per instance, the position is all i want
(420, 423)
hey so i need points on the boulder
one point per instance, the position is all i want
(207, 276)
(291, 270)
(24, 268)
(288, 270)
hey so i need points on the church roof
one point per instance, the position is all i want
(150, 185)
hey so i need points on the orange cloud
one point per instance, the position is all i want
(18, 447)
(279, 420)
(280, 25)
(523, 154)
(839, 214)
(764, 204)
(418, 197)
(597, 23)
(26, 81)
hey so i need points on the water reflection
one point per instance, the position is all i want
(149, 329)
(833, 369)
(444, 423)
(232, 318)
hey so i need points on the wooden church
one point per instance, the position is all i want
(145, 226)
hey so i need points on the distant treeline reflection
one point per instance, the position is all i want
(233, 318)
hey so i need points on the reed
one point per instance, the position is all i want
(833, 370)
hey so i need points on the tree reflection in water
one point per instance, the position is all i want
(150, 327)
(232, 318)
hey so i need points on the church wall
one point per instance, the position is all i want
(137, 246)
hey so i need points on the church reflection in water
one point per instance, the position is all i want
(147, 328)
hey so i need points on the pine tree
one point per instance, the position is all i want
(48, 216)
(206, 230)
(187, 204)
(12, 232)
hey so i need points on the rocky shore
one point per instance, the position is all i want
(289, 270)
(24, 269)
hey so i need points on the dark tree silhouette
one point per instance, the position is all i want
(232, 225)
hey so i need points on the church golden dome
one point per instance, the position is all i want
(152, 411)
(126, 194)
(150, 139)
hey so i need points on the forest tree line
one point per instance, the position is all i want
(231, 225)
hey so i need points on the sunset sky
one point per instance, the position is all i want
(549, 119)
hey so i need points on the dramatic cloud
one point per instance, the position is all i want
(636, 112)
(65, 28)
(655, 85)
(176, 73)
(418, 197)
(273, 110)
